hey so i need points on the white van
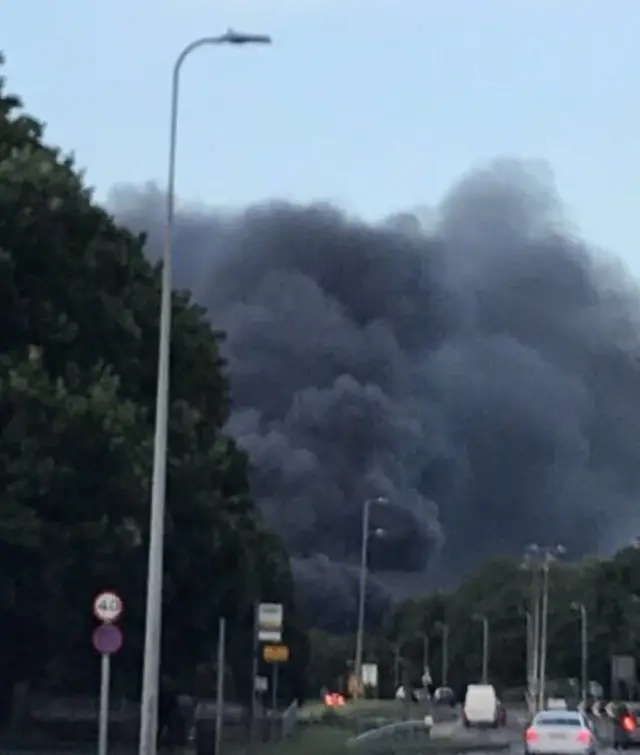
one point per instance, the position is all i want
(482, 707)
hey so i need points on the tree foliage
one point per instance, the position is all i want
(79, 310)
(502, 591)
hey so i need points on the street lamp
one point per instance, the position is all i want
(529, 562)
(584, 649)
(530, 640)
(550, 555)
(485, 647)
(444, 629)
(364, 554)
(153, 619)
(425, 657)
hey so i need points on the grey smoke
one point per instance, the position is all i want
(476, 365)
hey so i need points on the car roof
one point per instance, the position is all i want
(558, 714)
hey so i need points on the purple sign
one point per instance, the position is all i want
(107, 639)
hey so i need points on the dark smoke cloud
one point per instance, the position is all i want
(477, 366)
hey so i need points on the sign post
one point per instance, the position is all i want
(222, 625)
(107, 640)
(274, 687)
(275, 655)
(268, 629)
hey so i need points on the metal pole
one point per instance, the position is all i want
(153, 626)
(254, 673)
(274, 687)
(585, 652)
(529, 621)
(445, 654)
(543, 636)
(153, 618)
(535, 653)
(103, 725)
(362, 596)
(222, 627)
(485, 650)
(425, 652)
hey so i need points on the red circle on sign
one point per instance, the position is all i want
(107, 639)
(113, 609)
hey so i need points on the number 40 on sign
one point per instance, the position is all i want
(107, 607)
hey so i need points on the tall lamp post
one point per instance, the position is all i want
(533, 625)
(485, 647)
(529, 625)
(443, 627)
(364, 557)
(153, 619)
(584, 650)
(540, 559)
(425, 655)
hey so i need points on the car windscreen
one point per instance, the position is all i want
(557, 721)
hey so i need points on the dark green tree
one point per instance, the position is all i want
(501, 591)
(79, 307)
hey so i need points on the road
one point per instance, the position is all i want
(509, 739)
(451, 733)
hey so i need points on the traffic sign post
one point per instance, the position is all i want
(275, 655)
(274, 687)
(107, 640)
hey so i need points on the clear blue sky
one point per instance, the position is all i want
(377, 104)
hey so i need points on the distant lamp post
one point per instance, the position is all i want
(444, 631)
(425, 659)
(364, 557)
(584, 650)
(485, 647)
(529, 625)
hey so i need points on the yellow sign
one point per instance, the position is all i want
(275, 653)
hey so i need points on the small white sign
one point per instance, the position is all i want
(261, 684)
(370, 674)
(270, 619)
(108, 607)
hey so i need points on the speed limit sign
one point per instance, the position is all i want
(108, 607)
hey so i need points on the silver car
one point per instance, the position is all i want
(560, 732)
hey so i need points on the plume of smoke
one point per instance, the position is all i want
(476, 365)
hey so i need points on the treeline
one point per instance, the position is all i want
(502, 592)
(79, 310)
